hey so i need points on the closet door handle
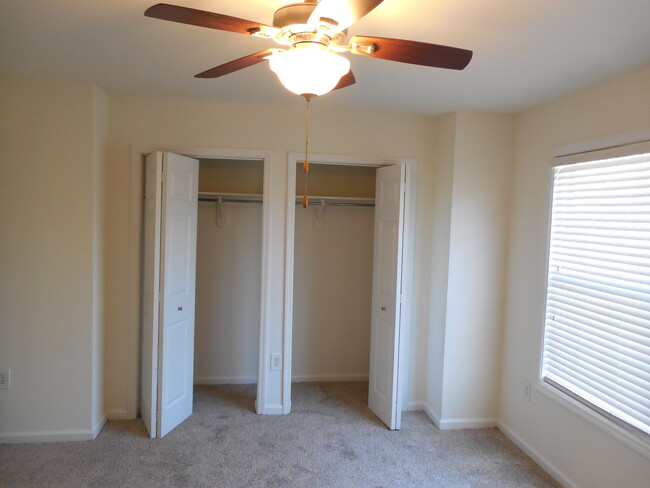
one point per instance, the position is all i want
(383, 309)
(180, 307)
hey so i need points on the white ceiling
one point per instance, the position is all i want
(525, 52)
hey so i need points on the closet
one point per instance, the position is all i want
(201, 277)
(333, 272)
(346, 291)
(228, 271)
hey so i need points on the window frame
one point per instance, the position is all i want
(609, 148)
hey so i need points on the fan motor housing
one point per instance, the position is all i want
(294, 13)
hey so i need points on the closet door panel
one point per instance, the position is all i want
(180, 190)
(386, 292)
(150, 290)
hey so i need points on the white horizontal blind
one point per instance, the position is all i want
(597, 333)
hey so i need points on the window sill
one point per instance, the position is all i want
(634, 442)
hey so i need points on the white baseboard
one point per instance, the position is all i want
(97, 428)
(415, 406)
(45, 436)
(449, 424)
(119, 414)
(469, 423)
(243, 380)
(274, 409)
(547, 466)
(327, 378)
(435, 418)
(456, 424)
(225, 380)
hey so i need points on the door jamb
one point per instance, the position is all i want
(408, 248)
(135, 262)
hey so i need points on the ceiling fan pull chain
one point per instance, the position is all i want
(305, 163)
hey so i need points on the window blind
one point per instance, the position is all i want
(597, 330)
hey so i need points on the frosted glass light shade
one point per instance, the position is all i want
(309, 68)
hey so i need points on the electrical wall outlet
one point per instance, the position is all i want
(527, 391)
(5, 379)
(276, 362)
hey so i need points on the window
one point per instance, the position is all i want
(597, 330)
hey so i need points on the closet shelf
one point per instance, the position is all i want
(208, 196)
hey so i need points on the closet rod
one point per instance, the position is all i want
(205, 196)
(325, 201)
(339, 204)
(227, 200)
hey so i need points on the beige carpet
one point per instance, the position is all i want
(330, 439)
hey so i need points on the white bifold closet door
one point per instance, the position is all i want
(169, 267)
(383, 388)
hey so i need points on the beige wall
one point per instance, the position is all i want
(100, 128)
(228, 287)
(228, 275)
(445, 138)
(231, 176)
(336, 181)
(50, 259)
(477, 262)
(585, 455)
(332, 294)
(474, 165)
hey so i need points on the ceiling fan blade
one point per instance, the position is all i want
(412, 52)
(237, 64)
(202, 18)
(346, 80)
(343, 12)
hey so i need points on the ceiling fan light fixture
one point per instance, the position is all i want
(309, 68)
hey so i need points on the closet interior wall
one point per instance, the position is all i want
(333, 276)
(228, 274)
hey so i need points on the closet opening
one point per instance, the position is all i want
(228, 280)
(349, 266)
(332, 279)
(203, 257)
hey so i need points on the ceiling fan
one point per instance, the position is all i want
(314, 33)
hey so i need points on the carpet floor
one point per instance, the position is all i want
(331, 439)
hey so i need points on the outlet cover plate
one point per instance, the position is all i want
(276, 362)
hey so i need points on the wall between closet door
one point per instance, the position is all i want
(332, 294)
